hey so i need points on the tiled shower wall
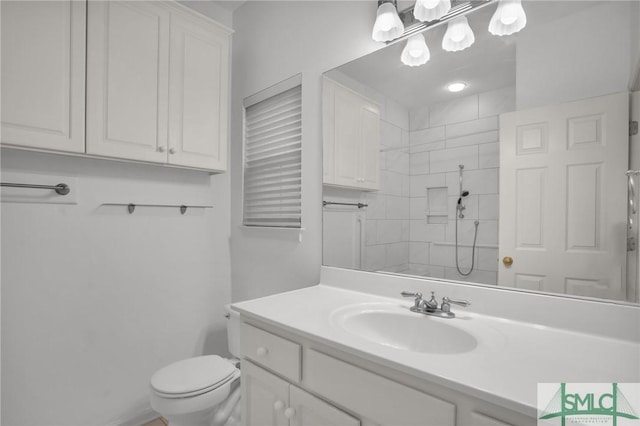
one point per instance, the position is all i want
(443, 137)
(386, 245)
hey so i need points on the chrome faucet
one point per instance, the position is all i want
(430, 307)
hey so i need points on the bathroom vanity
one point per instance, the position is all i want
(335, 356)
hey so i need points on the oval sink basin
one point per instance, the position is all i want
(405, 330)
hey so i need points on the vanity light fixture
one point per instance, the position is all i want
(430, 10)
(509, 18)
(416, 51)
(459, 35)
(388, 25)
(457, 86)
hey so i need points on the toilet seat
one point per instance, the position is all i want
(192, 377)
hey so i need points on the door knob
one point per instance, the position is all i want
(508, 261)
(172, 150)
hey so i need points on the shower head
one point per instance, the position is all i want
(463, 194)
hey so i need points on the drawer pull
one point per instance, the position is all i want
(278, 405)
(289, 413)
(262, 351)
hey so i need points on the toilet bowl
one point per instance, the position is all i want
(200, 391)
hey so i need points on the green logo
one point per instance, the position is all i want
(588, 406)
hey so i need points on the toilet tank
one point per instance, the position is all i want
(233, 331)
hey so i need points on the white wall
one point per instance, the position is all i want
(574, 57)
(94, 300)
(274, 41)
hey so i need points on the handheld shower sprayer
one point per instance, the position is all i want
(460, 207)
(459, 215)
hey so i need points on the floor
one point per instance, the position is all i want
(157, 422)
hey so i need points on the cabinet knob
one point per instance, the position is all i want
(289, 413)
(161, 149)
(262, 351)
(278, 405)
(172, 150)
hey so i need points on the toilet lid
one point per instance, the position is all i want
(192, 375)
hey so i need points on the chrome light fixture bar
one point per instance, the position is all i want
(458, 8)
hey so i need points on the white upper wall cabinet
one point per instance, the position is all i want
(351, 138)
(127, 80)
(157, 85)
(198, 94)
(157, 81)
(43, 74)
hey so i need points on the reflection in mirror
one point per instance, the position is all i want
(516, 180)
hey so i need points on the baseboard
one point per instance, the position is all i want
(138, 415)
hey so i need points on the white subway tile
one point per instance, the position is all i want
(419, 118)
(441, 255)
(488, 232)
(487, 259)
(471, 127)
(455, 111)
(397, 254)
(484, 181)
(397, 161)
(374, 257)
(389, 231)
(466, 231)
(418, 208)
(391, 183)
(370, 232)
(477, 276)
(397, 207)
(377, 206)
(474, 139)
(397, 114)
(419, 163)
(448, 160)
(390, 135)
(489, 207)
(427, 136)
(419, 252)
(489, 156)
(419, 185)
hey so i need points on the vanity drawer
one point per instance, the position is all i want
(375, 397)
(271, 351)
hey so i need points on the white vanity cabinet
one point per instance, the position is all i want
(157, 83)
(351, 138)
(43, 74)
(269, 400)
(292, 380)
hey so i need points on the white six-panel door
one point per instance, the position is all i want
(127, 80)
(563, 197)
(43, 74)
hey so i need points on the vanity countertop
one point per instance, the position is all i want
(511, 357)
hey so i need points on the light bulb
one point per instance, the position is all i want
(458, 86)
(430, 10)
(415, 52)
(509, 18)
(458, 36)
(388, 25)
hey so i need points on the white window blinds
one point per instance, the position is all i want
(273, 161)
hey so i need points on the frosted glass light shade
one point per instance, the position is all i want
(415, 52)
(388, 25)
(509, 18)
(459, 35)
(430, 10)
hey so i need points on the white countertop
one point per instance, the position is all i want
(510, 359)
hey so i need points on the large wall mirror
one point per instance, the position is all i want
(516, 180)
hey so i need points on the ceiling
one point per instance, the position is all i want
(487, 65)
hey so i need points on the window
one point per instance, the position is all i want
(273, 157)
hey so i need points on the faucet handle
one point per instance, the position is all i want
(446, 303)
(417, 295)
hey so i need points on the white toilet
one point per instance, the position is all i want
(201, 391)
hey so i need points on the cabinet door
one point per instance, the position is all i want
(369, 167)
(311, 411)
(199, 94)
(43, 74)
(265, 397)
(127, 80)
(346, 137)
